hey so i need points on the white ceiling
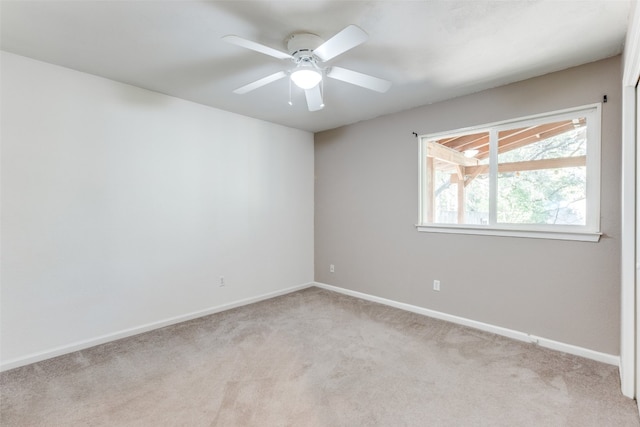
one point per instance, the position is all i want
(430, 50)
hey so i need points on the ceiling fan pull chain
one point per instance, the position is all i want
(290, 102)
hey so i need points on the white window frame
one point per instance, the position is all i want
(590, 232)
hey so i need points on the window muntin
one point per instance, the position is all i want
(533, 174)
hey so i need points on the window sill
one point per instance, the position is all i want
(529, 234)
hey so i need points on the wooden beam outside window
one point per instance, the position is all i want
(562, 162)
(449, 155)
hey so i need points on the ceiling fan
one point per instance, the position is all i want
(308, 52)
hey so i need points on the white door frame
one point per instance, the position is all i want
(630, 295)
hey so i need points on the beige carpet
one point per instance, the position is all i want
(315, 358)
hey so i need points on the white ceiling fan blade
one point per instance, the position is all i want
(346, 39)
(359, 79)
(314, 98)
(259, 83)
(239, 41)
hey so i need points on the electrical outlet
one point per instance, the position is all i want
(436, 285)
(332, 268)
(221, 281)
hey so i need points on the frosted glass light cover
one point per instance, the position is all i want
(306, 79)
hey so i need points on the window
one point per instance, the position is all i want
(530, 177)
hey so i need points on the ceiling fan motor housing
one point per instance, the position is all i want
(301, 47)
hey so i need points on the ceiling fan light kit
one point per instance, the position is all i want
(307, 52)
(306, 78)
(472, 152)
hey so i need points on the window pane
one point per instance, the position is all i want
(537, 186)
(542, 174)
(477, 201)
(446, 195)
(456, 188)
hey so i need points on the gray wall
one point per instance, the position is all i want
(366, 206)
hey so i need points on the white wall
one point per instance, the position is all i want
(121, 208)
(630, 257)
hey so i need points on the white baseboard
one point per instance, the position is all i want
(520, 336)
(81, 345)
(510, 333)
